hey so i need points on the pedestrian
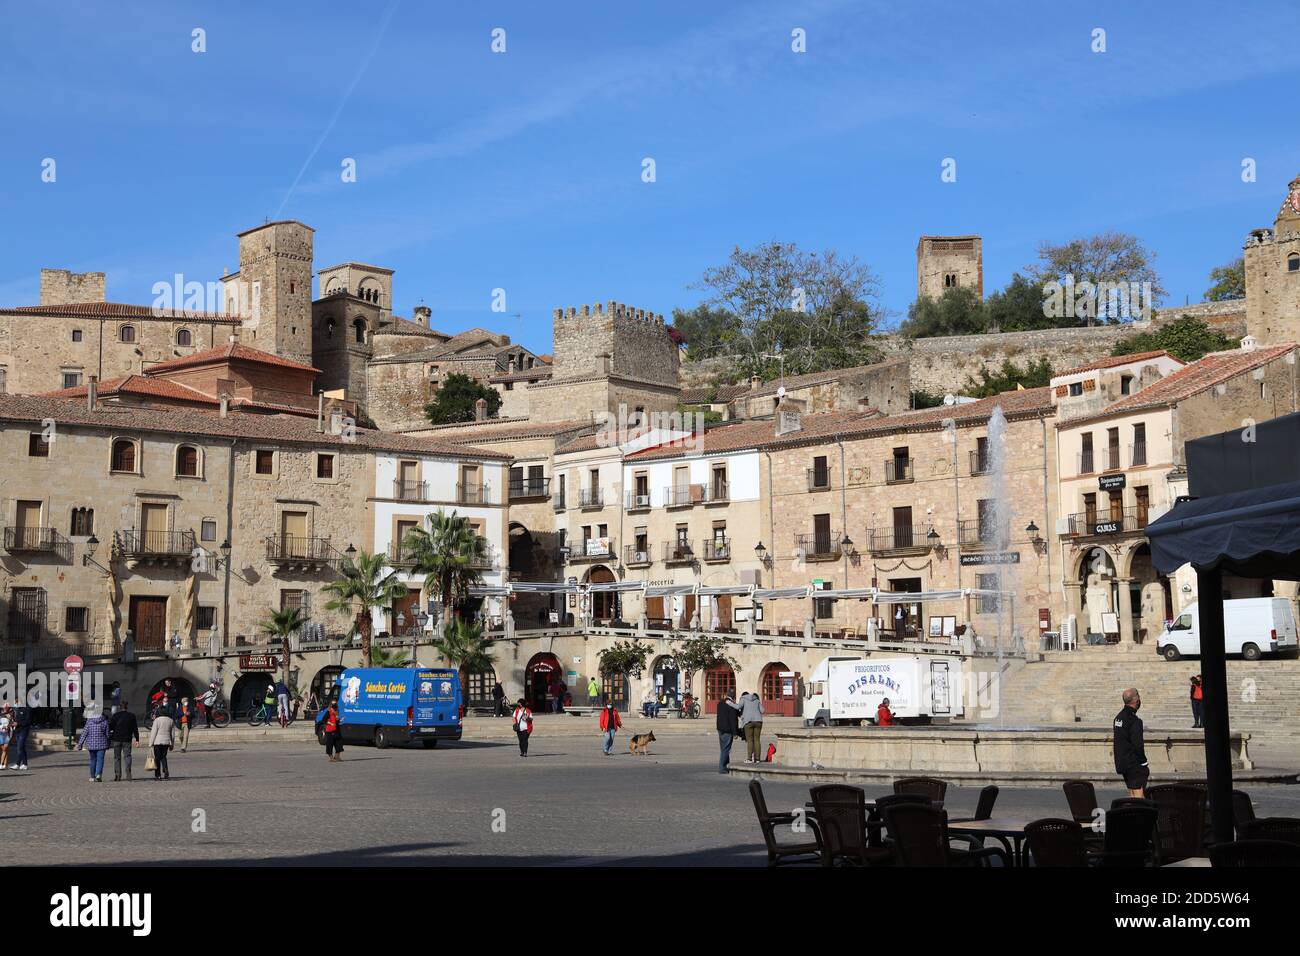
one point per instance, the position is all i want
(23, 718)
(115, 697)
(209, 701)
(884, 716)
(268, 702)
(498, 700)
(1198, 704)
(170, 696)
(186, 717)
(94, 739)
(123, 733)
(610, 722)
(162, 737)
(333, 736)
(6, 731)
(593, 691)
(523, 724)
(649, 703)
(1130, 754)
(728, 731)
(751, 721)
(282, 702)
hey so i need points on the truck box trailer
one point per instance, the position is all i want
(848, 690)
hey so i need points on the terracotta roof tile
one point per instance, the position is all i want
(494, 429)
(232, 350)
(1113, 360)
(138, 385)
(1196, 378)
(119, 310)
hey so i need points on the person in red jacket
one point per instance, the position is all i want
(884, 716)
(523, 724)
(610, 721)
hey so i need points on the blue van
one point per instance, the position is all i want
(393, 705)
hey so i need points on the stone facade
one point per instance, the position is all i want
(62, 287)
(1273, 275)
(944, 262)
(275, 263)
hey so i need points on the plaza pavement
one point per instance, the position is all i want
(278, 801)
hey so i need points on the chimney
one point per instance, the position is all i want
(320, 413)
(336, 422)
(92, 393)
(422, 314)
(480, 410)
(753, 382)
(225, 405)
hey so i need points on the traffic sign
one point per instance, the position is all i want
(72, 665)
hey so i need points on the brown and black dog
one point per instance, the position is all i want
(640, 743)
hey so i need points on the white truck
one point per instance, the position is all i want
(848, 690)
(1251, 627)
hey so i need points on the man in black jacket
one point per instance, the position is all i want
(1130, 755)
(123, 734)
(728, 731)
(22, 730)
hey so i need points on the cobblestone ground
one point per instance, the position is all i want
(282, 803)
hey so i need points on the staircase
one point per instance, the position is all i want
(1264, 695)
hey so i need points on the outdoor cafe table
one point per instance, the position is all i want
(1010, 832)
(1191, 861)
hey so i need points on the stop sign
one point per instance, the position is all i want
(72, 664)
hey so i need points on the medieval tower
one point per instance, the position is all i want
(273, 289)
(945, 262)
(1273, 275)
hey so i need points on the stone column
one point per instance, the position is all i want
(1125, 610)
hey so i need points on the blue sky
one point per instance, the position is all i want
(522, 170)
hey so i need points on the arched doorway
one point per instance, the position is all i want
(667, 678)
(542, 669)
(1153, 599)
(779, 690)
(183, 689)
(615, 689)
(719, 681)
(1098, 597)
(323, 684)
(247, 693)
(478, 687)
(604, 604)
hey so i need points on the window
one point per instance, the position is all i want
(71, 379)
(4, 379)
(83, 522)
(126, 333)
(208, 529)
(205, 617)
(823, 608)
(293, 597)
(184, 337)
(950, 280)
(264, 463)
(1142, 496)
(324, 466)
(76, 335)
(359, 330)
(821, 477)
(123, 458)
(291, 287)
(37, 446)
(1293, 263)
(1126, 384)
(187, 461)
(988, 604)
(74, 619)
(1085, 453)
(1089, 511)
(1139, 454)
(1076, 388)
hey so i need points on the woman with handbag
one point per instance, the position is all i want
(523, 723)
(332, 735)
(162, 735)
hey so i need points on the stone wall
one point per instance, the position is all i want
(62, 287)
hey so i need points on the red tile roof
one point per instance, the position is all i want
(119, 310)
(138, 385)
(1113, 360)
(232, 350)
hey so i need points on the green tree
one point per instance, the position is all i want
(1019, 308)
(448, 554)
(1008, 377)
(959, 311)
(699, 652)
(463, 646)
(1229, 281)
(922, 399)
(281, 625)
(1111, 258)
(1185, 338)
(365, 583)
(797, 311)
(390, 657)
(624, 658)
(708, 331)
(454, 401)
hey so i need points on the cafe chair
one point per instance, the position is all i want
(783, 853)
(983, 811)
(1281, 829)
(920, 838)
(1180, 821)
(929, 787)
(1055, 842)
(1255, 853)
(1243, 811)
(842, 821)
(1129, 834)
(1082, 798)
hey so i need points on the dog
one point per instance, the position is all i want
(641, 743)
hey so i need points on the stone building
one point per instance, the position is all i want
(1273, 274)
(947, 262)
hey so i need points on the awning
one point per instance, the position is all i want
(1254, 533)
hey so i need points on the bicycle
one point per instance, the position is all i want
(690, 708)
(219, 712)
(261, 714)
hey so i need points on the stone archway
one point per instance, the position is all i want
(1096, 578)
(1152, 598)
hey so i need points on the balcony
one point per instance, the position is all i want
(1111, 458)
(818, 546)
(590, 499)
(472, 494)
(1087, 524)
(678, 552)
(974, 534)
(684, 496)
(1137, 454)
(137, 545)
(898, 471)
(1085, 462)
(980, 463)
(558, 502)
(530, 488)
(638, 500)
(290, 552)
(900, 539)
(717, 550)
(717, 493)
(400, 556)
(635, 557)
(819, 479)
(35, 540)
(589, 550)
(411, 490)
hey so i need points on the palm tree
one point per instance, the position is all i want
(282, 624)
(365, 583)
(390, 657)
(465, 648)
(446, 555)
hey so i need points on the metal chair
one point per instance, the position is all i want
(1180, 821)
(1279, 829)
(779, 853)
(920, 835)
(1255, 853)
(1128, 837)
(842, 821)
(1054, 842)
(1082, 798)
(983, 811)
(929, 787)
(1243, 811)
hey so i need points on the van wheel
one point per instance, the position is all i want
(819, 722)
(382, 739)
(1171, 653)
(320, 736)
(1250, 652)
(429, 744)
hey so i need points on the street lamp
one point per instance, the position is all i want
(764, 558)
(87, 559)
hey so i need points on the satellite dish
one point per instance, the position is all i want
(780, 392)
(950, 399)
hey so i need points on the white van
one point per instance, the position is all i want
(1251, 627)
